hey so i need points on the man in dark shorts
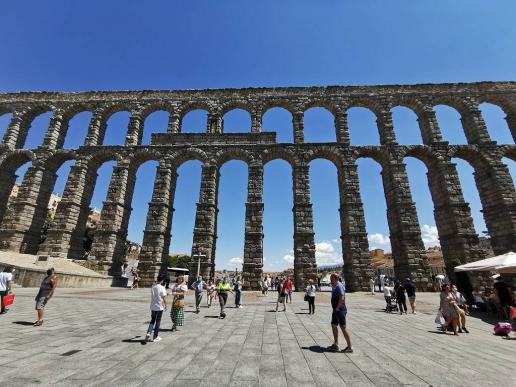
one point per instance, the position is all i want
(338, 316)
(410, 288)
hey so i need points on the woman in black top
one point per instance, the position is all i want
(400, 297)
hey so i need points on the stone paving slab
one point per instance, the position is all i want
(94, 338)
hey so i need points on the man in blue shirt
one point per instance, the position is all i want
(338, 316)
(199, 287)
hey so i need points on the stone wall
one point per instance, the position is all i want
(19, 228)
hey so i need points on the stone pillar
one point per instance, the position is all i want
(498, 198)
(156, 236)
(134, 129)
(408, 250)
(305, 266)
(298, 125)
(96, 129)
(474, 126)
(65, 236)
(511, 122)
(108, 249)
(355, 246)
(21, 229)
(256, 121)
(215, 123)
(385, 127)
(18, 127)
(341, 126)
(253, 246)
(429, 126)
(174, 123)
(54, 138)
(457, 235)
(205, 230)
(8, 178)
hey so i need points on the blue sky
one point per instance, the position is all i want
(122, 45)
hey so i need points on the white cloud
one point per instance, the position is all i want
(288, 258)
(430, 235)
(325, 253)
(237, 261)
(336, 241)
(379, 239)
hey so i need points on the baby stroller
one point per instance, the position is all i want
(391, 304)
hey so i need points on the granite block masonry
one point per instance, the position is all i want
(21, 224)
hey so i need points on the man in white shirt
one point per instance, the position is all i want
(157, 306)
(6, 282)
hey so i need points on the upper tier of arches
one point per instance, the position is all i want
(479, 119)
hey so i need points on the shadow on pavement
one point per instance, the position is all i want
(211, 316)
(135, 339)
(317, 349)
(23, 323)
(302, 313)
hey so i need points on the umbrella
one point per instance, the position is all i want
(505, 263)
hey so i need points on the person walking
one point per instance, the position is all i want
(288, 289)
(157, 306)
(45, 293)
(222, 290)
(265, 286)
(387, 294)
(399, 290)
(310, 296)
(280, 288)
(338, 316)
(6, 283)
(177, 314)
(238, 294)
(371, 284)
(210, 293)
(410, 288)
(136, 278)
(199, 285)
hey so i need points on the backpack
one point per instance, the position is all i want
(502, 329)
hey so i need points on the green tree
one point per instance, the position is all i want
(182, 261)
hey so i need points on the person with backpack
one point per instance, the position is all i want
(310, 296)
(157, 306)
(282, 295)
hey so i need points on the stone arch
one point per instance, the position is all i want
(194, 105)
(118, 112)
(447, 109)
(362, 110)
(277, 103)
(322, 113)
(282, 154)
(401, 110)
(227, 106)
(246, 128)
(224, 156)
(495, 125)
(281, 136)
(68, 116)
(319, 103)
(156, 106)
(181, 157)
(27, 130)
(496, 191)
(329, 153)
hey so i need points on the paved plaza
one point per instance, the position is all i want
(94, 338)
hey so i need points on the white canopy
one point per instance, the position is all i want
(505, 263)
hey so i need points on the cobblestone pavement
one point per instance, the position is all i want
(93, 338)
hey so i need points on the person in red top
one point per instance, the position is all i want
(288, 289)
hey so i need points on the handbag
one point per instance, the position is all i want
(178, 303)
(306, 297)
(439, 319)
(8, 300)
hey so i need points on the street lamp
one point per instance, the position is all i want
(199, 256)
